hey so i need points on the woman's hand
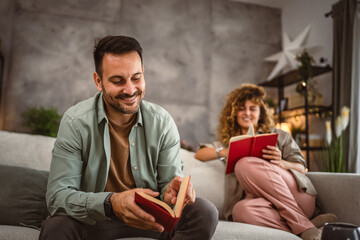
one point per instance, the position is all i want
(273, 154)
(224, 152)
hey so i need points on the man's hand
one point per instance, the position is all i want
(170, 194)
(130, 213)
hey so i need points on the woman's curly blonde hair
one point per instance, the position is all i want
(228, 126)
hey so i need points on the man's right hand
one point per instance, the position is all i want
(125, 208)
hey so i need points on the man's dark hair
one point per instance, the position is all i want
(114, 45)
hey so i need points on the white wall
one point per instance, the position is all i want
(300, 13)
(296, 16)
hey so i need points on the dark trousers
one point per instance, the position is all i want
(198, 221)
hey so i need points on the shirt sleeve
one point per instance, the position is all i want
(63, 192)
(169, 162)
(289, 149)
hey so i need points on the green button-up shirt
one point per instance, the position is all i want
(81, 157)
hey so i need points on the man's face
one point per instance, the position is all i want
(123, 82)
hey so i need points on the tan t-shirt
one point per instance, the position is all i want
(120, 177)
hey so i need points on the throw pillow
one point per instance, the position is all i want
(22, 196)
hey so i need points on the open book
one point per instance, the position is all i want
(248, 145)
(161, 211)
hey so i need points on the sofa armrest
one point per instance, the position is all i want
(339, 193)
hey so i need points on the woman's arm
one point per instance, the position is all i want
(289, 165)
(207, 154)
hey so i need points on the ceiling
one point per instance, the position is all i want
(268, 3)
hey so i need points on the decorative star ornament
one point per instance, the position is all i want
(286, 59)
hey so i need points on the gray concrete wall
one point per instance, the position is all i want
(195, 52)
(7, 8)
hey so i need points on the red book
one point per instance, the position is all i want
(246, 145)
(161, 211)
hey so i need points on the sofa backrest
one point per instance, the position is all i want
(26, 150)
(208, 178)
(34, 151)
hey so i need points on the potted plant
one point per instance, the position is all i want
(304, 75)
(334, 142)
(43, 121)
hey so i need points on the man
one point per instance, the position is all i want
(112, 145)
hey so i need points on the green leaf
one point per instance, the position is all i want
(42, 121)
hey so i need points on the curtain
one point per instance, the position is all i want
(354, 151)
(343, 13)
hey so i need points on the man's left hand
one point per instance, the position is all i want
(170, 194)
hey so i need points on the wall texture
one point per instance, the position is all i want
(6, 15)
(195, 52)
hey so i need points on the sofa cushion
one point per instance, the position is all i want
(16, 147)
(22, 196)
(235, 230)
(18, 233)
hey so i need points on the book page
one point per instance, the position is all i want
(266, 134)
(239, 137)
(251, 130)
(179, 205)
(158, 202)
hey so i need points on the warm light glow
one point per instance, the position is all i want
(284, 126)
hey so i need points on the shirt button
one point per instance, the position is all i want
(132, 144)
(135, 168)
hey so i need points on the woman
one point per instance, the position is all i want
(275, 193)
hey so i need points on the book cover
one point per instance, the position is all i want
(161, 211)
(247, 145)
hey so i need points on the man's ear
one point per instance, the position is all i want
(97, 81)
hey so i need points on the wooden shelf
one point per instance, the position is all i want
(291, 77)
(312, 109)
(312, 148)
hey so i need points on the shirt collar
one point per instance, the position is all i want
(101, 114)
(139, 116)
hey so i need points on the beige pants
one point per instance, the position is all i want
(272, 197)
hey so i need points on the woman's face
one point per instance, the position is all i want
(250, 112)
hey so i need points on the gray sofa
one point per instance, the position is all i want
(25, 160)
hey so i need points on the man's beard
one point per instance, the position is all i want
(121, 107)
